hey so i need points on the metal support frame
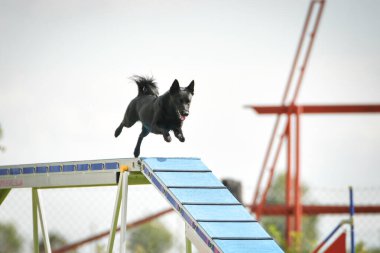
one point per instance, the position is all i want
(120, 201)
(293, 194)
(297, 179)
(123, 222)
(188, 246)
(39, 214)
(352, 213)
(293, 209)
(122, 171)
(35, 220)
(288, 183)
(3, 194)
(193, 239)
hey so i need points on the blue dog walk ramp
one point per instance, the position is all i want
(215, 221)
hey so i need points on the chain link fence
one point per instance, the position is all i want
(367, 226)
(73, 214)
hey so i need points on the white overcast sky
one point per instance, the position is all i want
(64, 68)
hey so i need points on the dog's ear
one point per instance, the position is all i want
(190, 88)
(175, 87)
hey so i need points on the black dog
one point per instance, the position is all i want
(158, 114)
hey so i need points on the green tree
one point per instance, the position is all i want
(10, 240)
(276, 225)
(56, 241)
(151, 237)
(360, 247)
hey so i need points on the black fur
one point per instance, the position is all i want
(158, 114)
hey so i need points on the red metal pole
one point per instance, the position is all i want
(310, 46)
(270, 179)
(299, 49)
(288, 184)
(283, 101)
(286, 92)
(282, 210)
(265, 162)
(318, 109)
(297, 179)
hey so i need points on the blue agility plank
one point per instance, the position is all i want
(248, 246)
(210, 210)
(189, 179)
(235, 230)
(175, 164)
(205, 196)
(219, 213)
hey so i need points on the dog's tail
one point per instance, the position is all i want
(118, 130)
(146, 85)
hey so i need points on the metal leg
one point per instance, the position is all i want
(3, 194)
(188, 246)
(115, 216)
(123, 223)
(35, 220)
(44, 229)
(352, 213)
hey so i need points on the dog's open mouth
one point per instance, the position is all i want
(181, 117)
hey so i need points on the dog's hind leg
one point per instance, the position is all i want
(130, 118)
(144, 132)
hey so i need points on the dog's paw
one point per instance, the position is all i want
(167, 138)
(181, 138)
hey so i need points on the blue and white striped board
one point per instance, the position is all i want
(64, 174)
(213, 214)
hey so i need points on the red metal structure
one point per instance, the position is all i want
(292, 197)
(293, 209)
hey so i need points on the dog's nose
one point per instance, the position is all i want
(185, 113)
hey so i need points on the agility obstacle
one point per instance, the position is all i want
(214, 220)
(339, 244)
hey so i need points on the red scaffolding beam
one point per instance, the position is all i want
(281, 210)
(317, 109)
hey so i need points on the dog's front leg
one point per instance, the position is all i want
(178, 133)
(159, 128)
(166, 135)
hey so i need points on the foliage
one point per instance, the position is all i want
(10, 240)
(276, 225)
(361, 248)
(56, 241)
(151, 237)
(100, 248)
